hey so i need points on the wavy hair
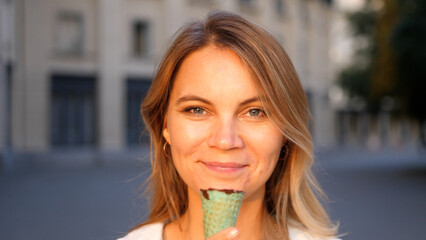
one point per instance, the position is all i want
(291, 191)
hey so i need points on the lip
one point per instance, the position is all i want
(226, 167)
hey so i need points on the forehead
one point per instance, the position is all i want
(213, 67)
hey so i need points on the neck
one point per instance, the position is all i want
(249, 220)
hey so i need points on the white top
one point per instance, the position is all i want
(155, 232)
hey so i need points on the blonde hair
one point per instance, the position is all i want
(289, 193)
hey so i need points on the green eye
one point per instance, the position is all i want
(195, 110)
(255, 112)
(198, 110)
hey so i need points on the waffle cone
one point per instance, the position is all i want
(220, 210)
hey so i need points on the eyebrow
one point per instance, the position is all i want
(200, 99)
(250, 100)
(192, 98)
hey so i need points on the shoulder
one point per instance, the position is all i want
(298, 234)
(152, 231)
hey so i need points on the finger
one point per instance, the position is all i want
(230, 233)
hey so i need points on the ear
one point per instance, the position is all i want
(166, 133)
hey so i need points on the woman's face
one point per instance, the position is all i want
(219, 134)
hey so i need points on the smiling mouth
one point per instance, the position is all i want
(228, 167)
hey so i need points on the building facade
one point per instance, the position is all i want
(81, 67)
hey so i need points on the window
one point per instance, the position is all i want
(69, 39)
(140, 38)
(250, 4)
(72, 113)
(200, 2)
(304, 13)
(136, 91)
(280, 7)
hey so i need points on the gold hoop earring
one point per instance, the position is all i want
(285, 151)
(165, 151)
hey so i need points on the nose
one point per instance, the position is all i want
(225, 135)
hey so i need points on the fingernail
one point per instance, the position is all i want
(232, 234)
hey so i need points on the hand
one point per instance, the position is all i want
(230, 233)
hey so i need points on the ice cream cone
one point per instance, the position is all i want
(220, 209)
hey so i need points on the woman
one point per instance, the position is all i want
(226, 107)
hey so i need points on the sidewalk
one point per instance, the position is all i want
(86, 196)
(375, 195)
(73, 196)
(361, 157)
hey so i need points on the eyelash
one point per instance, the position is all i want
(191, 110)
(261, 113)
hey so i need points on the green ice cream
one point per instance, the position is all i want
(220, 209)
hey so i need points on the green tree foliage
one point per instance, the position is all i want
(356, 78)
(384, 76)
(391, 64)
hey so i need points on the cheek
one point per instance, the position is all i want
(184, 136)
(266, 147)
(273, 149)
(266, 142)
(186, 140)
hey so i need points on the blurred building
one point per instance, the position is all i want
(79, 68)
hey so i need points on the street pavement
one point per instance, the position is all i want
(374, 196)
